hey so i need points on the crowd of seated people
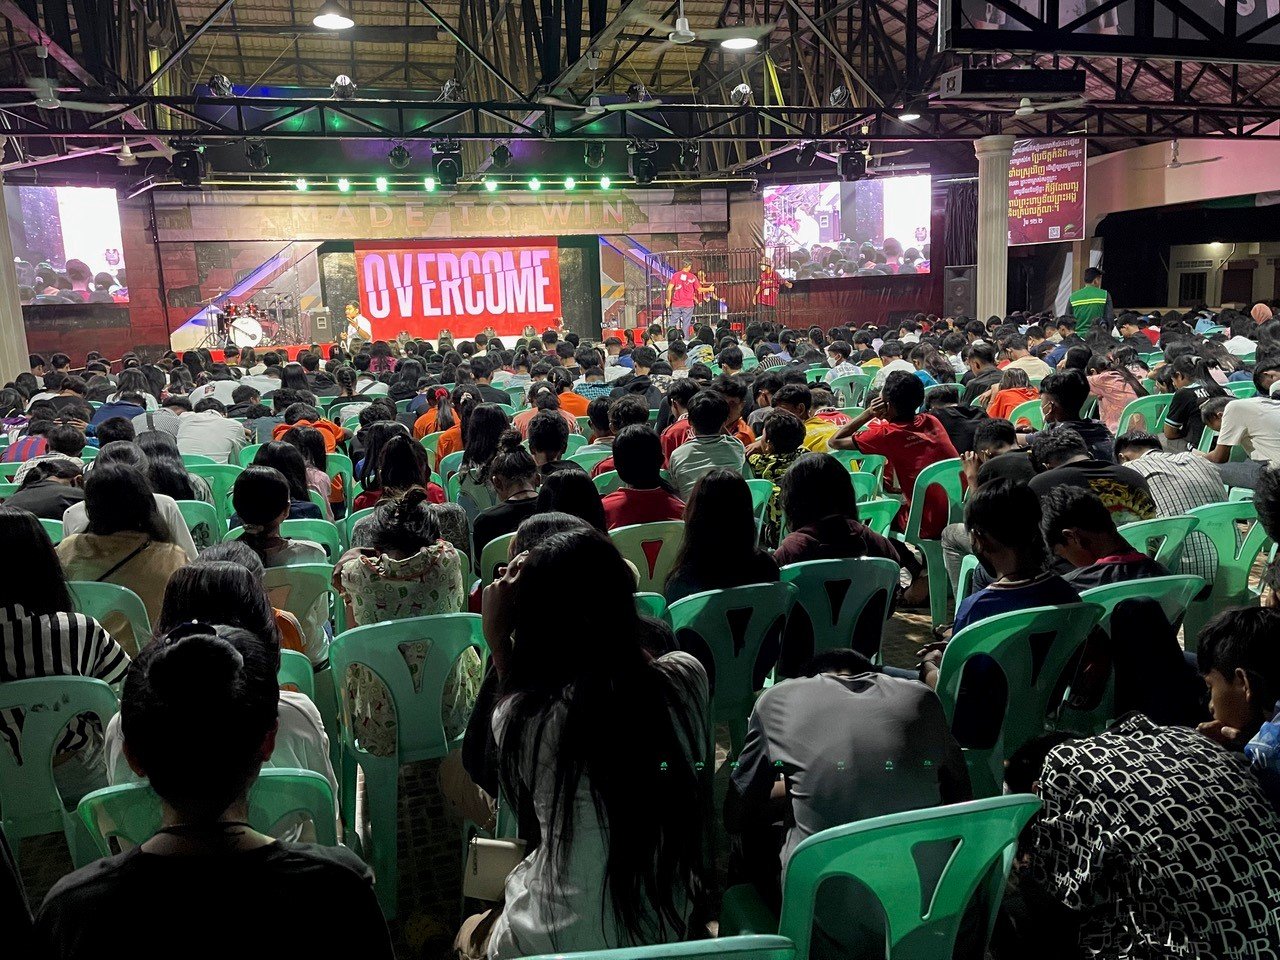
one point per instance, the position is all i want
(1157, 837)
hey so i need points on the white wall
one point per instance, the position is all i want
(1213, 258)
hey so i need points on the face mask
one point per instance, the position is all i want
(832, 361)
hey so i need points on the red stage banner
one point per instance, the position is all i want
(1046, 190)
(424, 286)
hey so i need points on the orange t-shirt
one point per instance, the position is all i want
(743, 432)
(575, 403)
(1007, 400)
(450, 442)
(333, 435)
(425, 424)
(290, 632)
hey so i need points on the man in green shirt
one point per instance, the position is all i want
(1090, 303)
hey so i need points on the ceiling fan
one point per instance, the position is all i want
(638, 99)
(127, 157)
(46, 93)
(739, 36)
(1176, 164)
(1027, 108)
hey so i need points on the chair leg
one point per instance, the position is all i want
(938, 583)
(382, 793)
(347, 788)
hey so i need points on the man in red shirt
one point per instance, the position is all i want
(767, 287)
(683, 291)
(911, 441)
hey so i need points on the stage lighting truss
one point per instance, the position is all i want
(220, 85)
(343, 87)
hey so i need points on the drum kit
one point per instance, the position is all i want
(250, 323)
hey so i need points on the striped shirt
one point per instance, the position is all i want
(55, 645)
(1180, 482)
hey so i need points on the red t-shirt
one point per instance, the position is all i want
(910, 447)
(673, 436)
(604, 466)
(1152, 335)
(768, 288)
(624, 507)
(684, 288)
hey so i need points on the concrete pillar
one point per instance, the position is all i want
(13, 332)
(993, 224)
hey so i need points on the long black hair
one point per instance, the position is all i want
(310, 443)
(219, 591)
(574, 493)
(403, 464)
(480, 435)
(165, 469)
(719, 546)
(817, 486)
(626, 731)
(287, 459)
(376, 436)
(35, 579)
(403, 525)
(294, 377)
(119, 499)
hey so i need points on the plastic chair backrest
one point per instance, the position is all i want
(421, 733)
(652, 547)
(10, 469)
(197, 514)
(323, 532)
(734, 625)
(430, 442)
(964, 586)
(354, 518)
(879, 514)
(29, 801)
(921, 920)
(493, 555)
(53, 528)
(946, 474)
(450, 464)
(851, 388)
(508, 409)
(1236, 555)
(1032, 648)
(1173, 593)
(519, 396)
(1151, 409)
(296, 669)
(575, 441)
(584, 426)
(7, 490)
(1241, 388)
(607, 482)
(100, 600)
(834, 594)
(190, 460)
(757, 947)
(761, 493)
(588, 461)
(340, 465)
(653, 605)
(864, 462)
(296, 589)
(132, 811)
(222, 478)
(814, 375)
(1170, 534)
(248, 453)
(1030, 410)
(865, 485)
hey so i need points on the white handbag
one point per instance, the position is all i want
(489, 862)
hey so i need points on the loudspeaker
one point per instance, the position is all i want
(960, 291)
(320, 324)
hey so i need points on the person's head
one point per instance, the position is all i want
(719, 532)
(54, 470)
(36, 363)
(637, 456)
(1062, 395)
(1240, 661)
(310, 443)
(891, 350)
(1093, 277)
(288, 460)
(839, 662)
(903, 393)
(69, 440)
(1077, 526)
(222, 592)
(1055, 448)
(730, 359)
(708, 411)
(625, 411)
(177, 683)
(993, 437)
(513, 469)
(294, 377)
(402, 464)
(981, 357)
(109, 431)
(480, 433)
(815, 487)
(548, 436)
(207, 405)
(261, 498)
(533, 530)
(679, 394)
(572, 492)
(403, 526)
(36, 583)
(793, 398)
(60, 361)
(352, 309)
(1265, 374)
(119, 499)
(1003, 522)
(838, 352)
(1134, 444)
(643, 359)
(782, 432)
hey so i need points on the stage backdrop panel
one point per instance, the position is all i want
(424, 287)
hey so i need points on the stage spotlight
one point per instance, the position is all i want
(490, 185)
(332, 16)
(689, 153)
(640, 162)
(501, 156)
(257, 155)
(429, 184)
(452, 91)
(605, 183)
(381, 184)
(852, 165)
(301, 184)
(343, 87)
(593, 155)
(187, 166)
(570, 183)
(839, 97)
(911, 111)
(446, 159)
(399, 157)
(807, 153)
(220, 85)
(636, 93)
(741, 95)
(344, 185)
(535, 183)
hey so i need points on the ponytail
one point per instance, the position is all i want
(444, 409)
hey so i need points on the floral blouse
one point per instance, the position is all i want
(378, 588)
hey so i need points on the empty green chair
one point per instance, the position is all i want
(29, 801)
(202, 522)
(1151, 409)
(450, 464)
(946, 474)
(416, 695)
(732, 627)
(607, 482)
(1029, 410)
(835, 594)
(53, 528)
(114, 606)
(296, 670)
(131, 812)
(248, 453)
(721, 948)
(1161, 538)
(222, 478)
(492, 556)
(1033, 649)
(653, 548)
(1236, 556)
(653, 605)
(588, 461)
(878, 514)
(922, 910)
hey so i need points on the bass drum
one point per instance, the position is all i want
(245, 332)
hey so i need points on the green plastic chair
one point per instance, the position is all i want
(575, 441)
(1236, 556)
(29, 801)
(1241, 388)
(340, 465)
(607, 482)
(298, 587)
(248, 453)
(851, 388)
(653, 416)
(835, 594)
(733, 626)
(1152, 409)
(588, 461)
(296, 669)
(865, 485)
(195, 459)
(652, 547)
(872, 463)
(815, 374)
(131, 812)
(430, 442)
(964, 586)
(653, 605)
(1161, 538)
(493, 555)
(222, 478)
(402, 406)
(421, 735)
(450, 464)
(323, 532)
(321, 503)
(507, 408)
(518, 395)
(878, 514)
(53, 528)
(202, 521)
(88, 454)
(721, 948)
(761, 493)
(338, 404)
(7, 490)
(1033, 673)
(101, 600)
(1173, 593)
(353, 519)
(1152, 358)
(946, 474)
(1030, 410)
(584, 426)
(922, 918)
(9, 469)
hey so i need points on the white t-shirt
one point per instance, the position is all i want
(1254, 423)
(220, 390)
(210, 434)
(76, 520)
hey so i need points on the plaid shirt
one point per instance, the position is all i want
(1178, 482)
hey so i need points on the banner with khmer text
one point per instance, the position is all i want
(1046, 190)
